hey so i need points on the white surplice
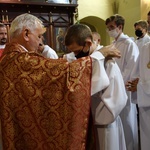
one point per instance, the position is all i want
(106, 107)
(129, 54)
(141, 41)
(144, 77)
(2, 46)
(48, 52)
(143, 95)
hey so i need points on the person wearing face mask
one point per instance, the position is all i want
(141, 72)
(141, 27)
(106, 104)
(129, 54)
(142, 38)
(96, 39)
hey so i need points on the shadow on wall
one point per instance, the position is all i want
(98, 25)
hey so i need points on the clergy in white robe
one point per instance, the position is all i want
(140, 43)
(142, 71)
(142, 36)
(129, 54)
(80, 41)
(107, 103)
(106, 107)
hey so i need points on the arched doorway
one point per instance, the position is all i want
(98, 25)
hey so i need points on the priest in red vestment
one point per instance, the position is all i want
(44, 103)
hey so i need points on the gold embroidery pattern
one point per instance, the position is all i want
(44, 103)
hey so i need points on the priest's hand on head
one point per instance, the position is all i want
(110, 51)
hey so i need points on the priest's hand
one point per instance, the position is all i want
(110, 51)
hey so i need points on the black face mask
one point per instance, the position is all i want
(138, 33)
(82, 54)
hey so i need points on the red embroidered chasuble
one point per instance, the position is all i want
(44, 103)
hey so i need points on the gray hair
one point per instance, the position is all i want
(24, 21)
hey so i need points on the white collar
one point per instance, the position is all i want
(24, 48)
(2, 46)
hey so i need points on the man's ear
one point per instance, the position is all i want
(26, 34)
(120, 27)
